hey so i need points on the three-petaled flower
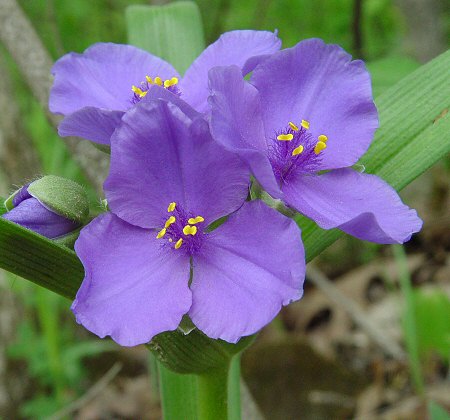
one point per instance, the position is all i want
(94, 89)
(154, 257)
(304, 118)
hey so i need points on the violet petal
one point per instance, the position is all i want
(236, 122)
(249, 268)
(133, 288)
(238, 48)
(319, 83)
(102, 77)
(159, 156)
(91, 123)
(361, 205)
(31, 214)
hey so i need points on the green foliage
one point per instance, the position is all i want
(173, 32)
(432, 313)
(437, 412)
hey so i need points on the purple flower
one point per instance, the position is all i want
(154, 257)
(32, 214)
(304, 118)
(94, 89)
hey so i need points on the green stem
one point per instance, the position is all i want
(213, 394)
(234, 388)
(178, 394)
(409, 319)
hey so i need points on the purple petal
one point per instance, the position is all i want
(91, 123)
(249, 267)
(238, 48)
(159, 156)
(360, 204)
(21, 195)
(236, 122)
(31, 214)
(102, 77)
(319, 83)
(133, 288)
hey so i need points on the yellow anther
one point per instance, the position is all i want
(285, 137)
(149, 79)
(171, 207)
(293, 126)
(190, 230)
(297, 150)
(179, 243)
(170, 82)
(323, 138)
(195, 220)
(170, 221)
(138, 91)
(161, 233)
(305, 124)
(319, 147)
(158, 81)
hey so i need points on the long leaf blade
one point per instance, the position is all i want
(173, 32)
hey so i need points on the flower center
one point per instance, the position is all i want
(182, 230)
(140, 92)
(295, 151)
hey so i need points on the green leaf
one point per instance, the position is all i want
(413, 135)
(39, 259)
(437, 412)
(390, 70)
(432, 310)
(173, 32)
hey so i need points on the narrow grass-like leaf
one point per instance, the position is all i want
(173, 32)
(39, 260)
(437, 412)
(413, 135)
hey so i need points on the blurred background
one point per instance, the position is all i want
(322, 358)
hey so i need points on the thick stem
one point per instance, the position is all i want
(212, 395)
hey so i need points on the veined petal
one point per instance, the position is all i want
(240, 48)
(361, 205)
(319, 83)
(249, 268)
(133, 289)
(31, 214)
(91, 123)
(159, 156)
(236, 122)
(102, 77)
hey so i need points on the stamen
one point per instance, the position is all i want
(161, 233)
(149, 79)
(305, 124)
(297, 150)
(293, 126)
(158, 81)
(285, 137)
(170, 82)
(170, 221)
(171, 207)
(190, 230)
(198, 219)
(319, 147)
(138, 91)
(179, 243)
(323, 138)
